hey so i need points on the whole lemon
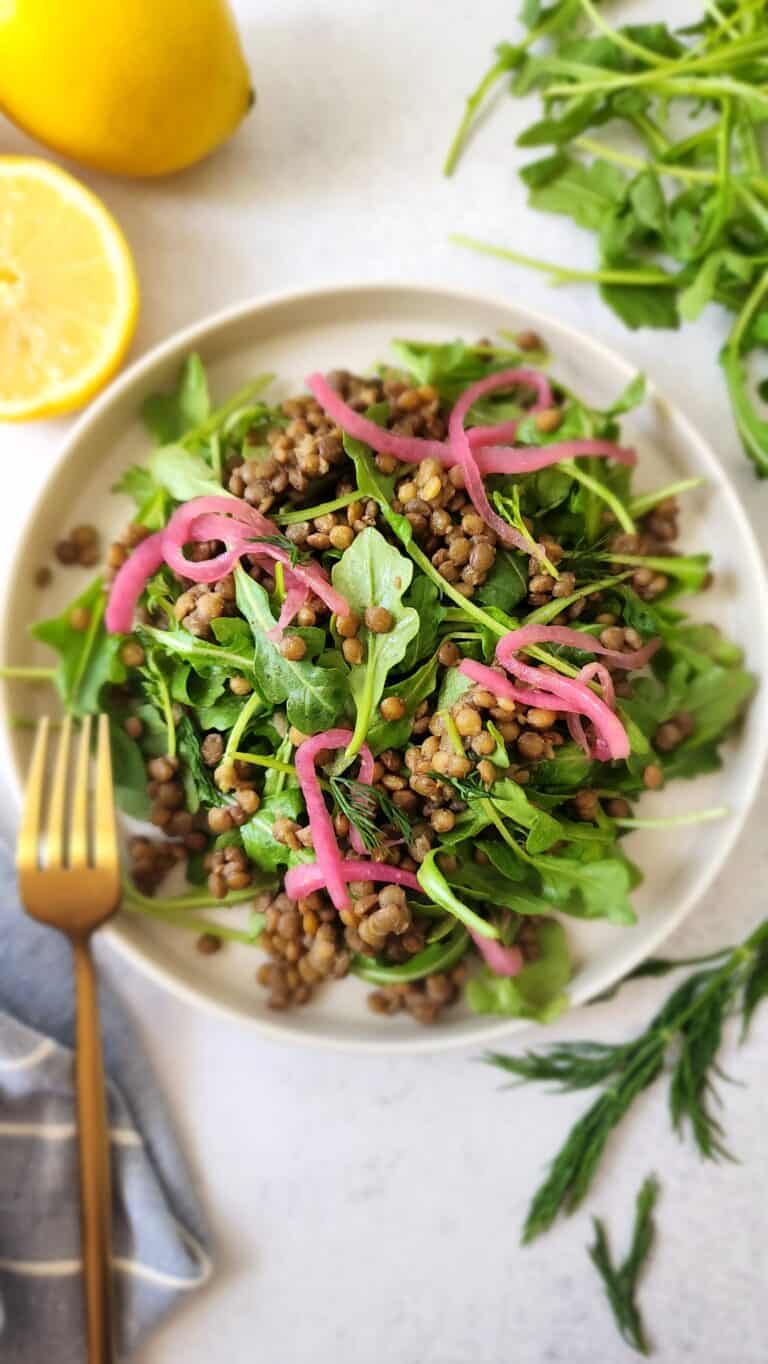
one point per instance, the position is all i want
(135, 87)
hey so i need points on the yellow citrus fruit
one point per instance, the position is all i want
(134, 87)
(68, 292)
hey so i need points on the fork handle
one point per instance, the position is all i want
(95, 1183)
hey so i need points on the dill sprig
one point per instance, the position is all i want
(295, 555)
(361, 804)
(684, 1038)
(620, 1282)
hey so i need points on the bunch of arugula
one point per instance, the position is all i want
(514, 853)
(680, 210)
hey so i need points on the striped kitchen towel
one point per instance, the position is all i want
(158, 1236)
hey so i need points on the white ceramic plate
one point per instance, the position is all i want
(352, 327)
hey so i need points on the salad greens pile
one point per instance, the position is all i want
(518, 853)
(652, 140)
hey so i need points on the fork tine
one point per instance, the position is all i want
(106, 834)
(54, 853)
(29, 833)
(78, 836)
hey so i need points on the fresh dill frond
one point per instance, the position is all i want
(620, 1282)
(295, 555)
(361, 804)
(684, 1039)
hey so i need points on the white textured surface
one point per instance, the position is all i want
(365, 1209)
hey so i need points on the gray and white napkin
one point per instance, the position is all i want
(158, 1234)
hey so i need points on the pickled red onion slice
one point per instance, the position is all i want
(308, 877)
(329, 860)
(503, 961)
(129, 583)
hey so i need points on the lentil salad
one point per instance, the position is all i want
(331, 707)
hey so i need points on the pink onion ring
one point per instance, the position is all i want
(608, 727)
(589, 673)
(499, 459)
(329, 859)
(296, 596)
(129, 583)
(573, 639)
(308, 877)
(412, 449)
(503, 961)
(463, 454)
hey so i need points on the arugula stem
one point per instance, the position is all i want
(697, 89)
(216, 418)
(489, 809)
(604, 493)
(642, 504)
(97, 615)
(620, 39)
(310, 513)
(363, 712)
(474, 101)
(564, 274)
(542, 615)
(632, 162)
(28, 674)
(260, 760)
(241, 724)
(670, 77)
(194, 922)
(506, 62)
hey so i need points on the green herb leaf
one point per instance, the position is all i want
(170, 415)
(150, 497)
(620, 1282)
(184, 474)
(314, 696)
(439, 956)
(538, 991)
(129, 773)
(372, 573)
(89, 658)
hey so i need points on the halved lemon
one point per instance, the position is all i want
(68, 291)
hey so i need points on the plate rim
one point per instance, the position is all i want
(195, 334)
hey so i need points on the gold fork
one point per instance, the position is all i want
(69, 878)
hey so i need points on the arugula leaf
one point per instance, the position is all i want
(453, 685)
(373, 573)
(585, 193)
(511, 800)
(258, 840)
(88, 659)
(507, 583)
(412, 690)
(170, 415)
(438, 956)
(436, 887)
(233, 653)
(314, 696)
(538, 992)
(453, 366)
(128, 773)
(422, 597)
(590, 890)
(200, 790)
(150, 498)
(184, 474)
(281, 799)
